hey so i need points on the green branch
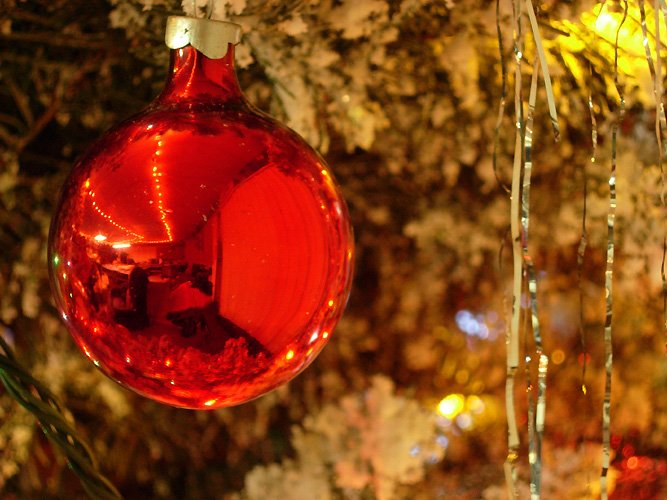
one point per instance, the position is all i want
(39, 401)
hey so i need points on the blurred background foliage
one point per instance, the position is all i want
(407, 400)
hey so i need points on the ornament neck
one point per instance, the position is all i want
(195, 77)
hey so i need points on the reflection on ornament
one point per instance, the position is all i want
(208, 248)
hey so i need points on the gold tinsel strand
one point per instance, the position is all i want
(660, 123)
(513, 333)
(660, 129)
(609, 273)
(501, 102)
(534, 437)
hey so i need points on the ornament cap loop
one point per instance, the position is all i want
(211, 38)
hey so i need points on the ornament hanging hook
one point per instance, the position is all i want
(211, 38)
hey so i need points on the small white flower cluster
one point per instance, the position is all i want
(375, 441)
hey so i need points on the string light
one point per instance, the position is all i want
(108, 218)
(158, 189)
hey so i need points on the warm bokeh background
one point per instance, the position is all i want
(407, 399)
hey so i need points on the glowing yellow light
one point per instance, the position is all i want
(167, 362)
(596, 31)
(289, 355)
(121, 245)
(606, 20)
(87, 183)
(462, 376)
(451, 405)
(331, 303)
(325, 335)
(100, 237)
(606, 23)
(558, 357)
(474, 404)
(210, 402)
(324, 172)
(128, 359)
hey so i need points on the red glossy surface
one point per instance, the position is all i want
(201, 253)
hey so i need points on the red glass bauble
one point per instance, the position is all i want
(201, 253)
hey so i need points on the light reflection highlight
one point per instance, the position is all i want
(450, 406)
(158, 188)
(481, 326)
(109, 219)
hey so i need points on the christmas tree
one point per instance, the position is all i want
(416, 105)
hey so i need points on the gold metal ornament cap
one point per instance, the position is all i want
(211, 38)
